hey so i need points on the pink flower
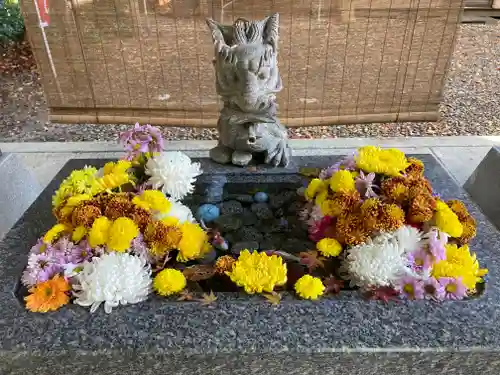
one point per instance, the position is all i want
(433, 289)
(411, 288)
(453, 288)
(365, 185)
(317, 231)
(141, 139)
(421, 260)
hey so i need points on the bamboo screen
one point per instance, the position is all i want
(342, 61)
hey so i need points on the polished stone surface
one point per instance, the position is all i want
(241, 334)
(483, 185)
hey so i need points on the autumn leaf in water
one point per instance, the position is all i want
(273, 298)
(199, 272)
(383, 293)
(207, 299)
(311, 260)
(333, 285)
(185, 296)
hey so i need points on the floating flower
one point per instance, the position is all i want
(41, 267)
(162, 238)
(365, 184)
(433, 289)
(258, 272)
(390, 162)
(121, 233)
(446, 220)
(169, 281)
(49, 295)
(459, 264)
(153, 200)
(99, 232)
(112, 279)
(174, 173)
(55, 232)
(329, 247)
(309, 287)
(224, 264)
(80, 181)
(142, 139)
(453, 288)
(78, 234)
(411, 288)
(178, 211)
(193, 242)
(382, 261)
(342, 181)
(315, 187)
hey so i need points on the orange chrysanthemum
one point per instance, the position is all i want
(391, 218)
(162, 238)
(340, 203)
(416, 167)
(141, 217)
(417, 186)
(49, 295)
(396, 189)
(459, 208)
(466, 219)
(119, 206)
(421, 209)
(224, 264)
(350, 229)
(85, 214)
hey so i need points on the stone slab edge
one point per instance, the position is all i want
(483, 185)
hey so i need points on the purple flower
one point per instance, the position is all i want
(435, 246)
(39, 248)
(41, 267)
(139, 248)
(348, 163)
(141, 139)
(411, 288)
(433, 290)
(365, 185)
(421, 260)
(81, 252)
(453, 288)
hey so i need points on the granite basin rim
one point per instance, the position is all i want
(341, 321)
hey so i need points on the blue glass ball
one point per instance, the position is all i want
(260, 197)
(208, 212)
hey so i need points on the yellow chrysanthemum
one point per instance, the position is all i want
(329, 247)
(121, 166)
(121, 233)
(78, 182)
(78, 233)
(152, 200)
(460, 263)
(72, 202)
(315, 187)
(110, 182)
(170, 221)
(192, 244)
(309, 287)
(258, 272)
(55, 232)
(99, 232)
(169, 281)
(342, 181)
(446, 220)
(321, 197)
(390, 162)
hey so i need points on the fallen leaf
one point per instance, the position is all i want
(199, 272)
(274, 298)
(207, 299)
(252, 168)
(185, 296)
(383, 293)
(311, 260)
(333, 285)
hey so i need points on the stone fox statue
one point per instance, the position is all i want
(247, 79)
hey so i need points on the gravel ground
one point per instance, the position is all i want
(471, 101)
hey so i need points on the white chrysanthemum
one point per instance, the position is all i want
(114, 278)
(174, 173)
(382, 261)
(178, 210)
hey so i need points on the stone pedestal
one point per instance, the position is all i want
(242, 334)
(484, 185)
(18, 189)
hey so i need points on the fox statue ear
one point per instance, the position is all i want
(271, 29)
(216, 30)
